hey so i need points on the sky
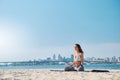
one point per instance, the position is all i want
(36, 29)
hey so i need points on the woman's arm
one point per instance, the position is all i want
(82, 59)
(73, 61)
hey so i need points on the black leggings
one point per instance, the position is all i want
(71, 68)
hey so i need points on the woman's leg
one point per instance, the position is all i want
(69, 68)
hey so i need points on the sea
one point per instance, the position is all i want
(87, 66)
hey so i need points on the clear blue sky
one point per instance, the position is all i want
(39, 28)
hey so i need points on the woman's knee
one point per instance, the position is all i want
(69, 68)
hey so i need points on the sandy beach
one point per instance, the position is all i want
(45, 74)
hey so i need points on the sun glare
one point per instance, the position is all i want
(6, 39)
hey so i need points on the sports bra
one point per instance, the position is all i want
(77, 58)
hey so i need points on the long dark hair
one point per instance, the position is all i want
(79, 47)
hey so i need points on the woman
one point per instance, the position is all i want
(77, 64)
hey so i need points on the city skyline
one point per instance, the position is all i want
(71, 58)
(34, 29)
(59, 58)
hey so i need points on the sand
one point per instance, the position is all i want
(46, 74)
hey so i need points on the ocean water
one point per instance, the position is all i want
(88, 66)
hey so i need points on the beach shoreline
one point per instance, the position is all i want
(47, 74)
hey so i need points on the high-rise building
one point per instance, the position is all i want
(93, 58)
(59, 57)
(107, 59)
(54, 57)
(118, 59)
(114, 59)
(72, 57)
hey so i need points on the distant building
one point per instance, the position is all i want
(100, 60)
(118, 59)
(64, 59)
(93, 58)
(59, 57)
(114, 59)
(107, 59)
(72, 57)
(54, 57)
(48, 59)
(88, 59)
